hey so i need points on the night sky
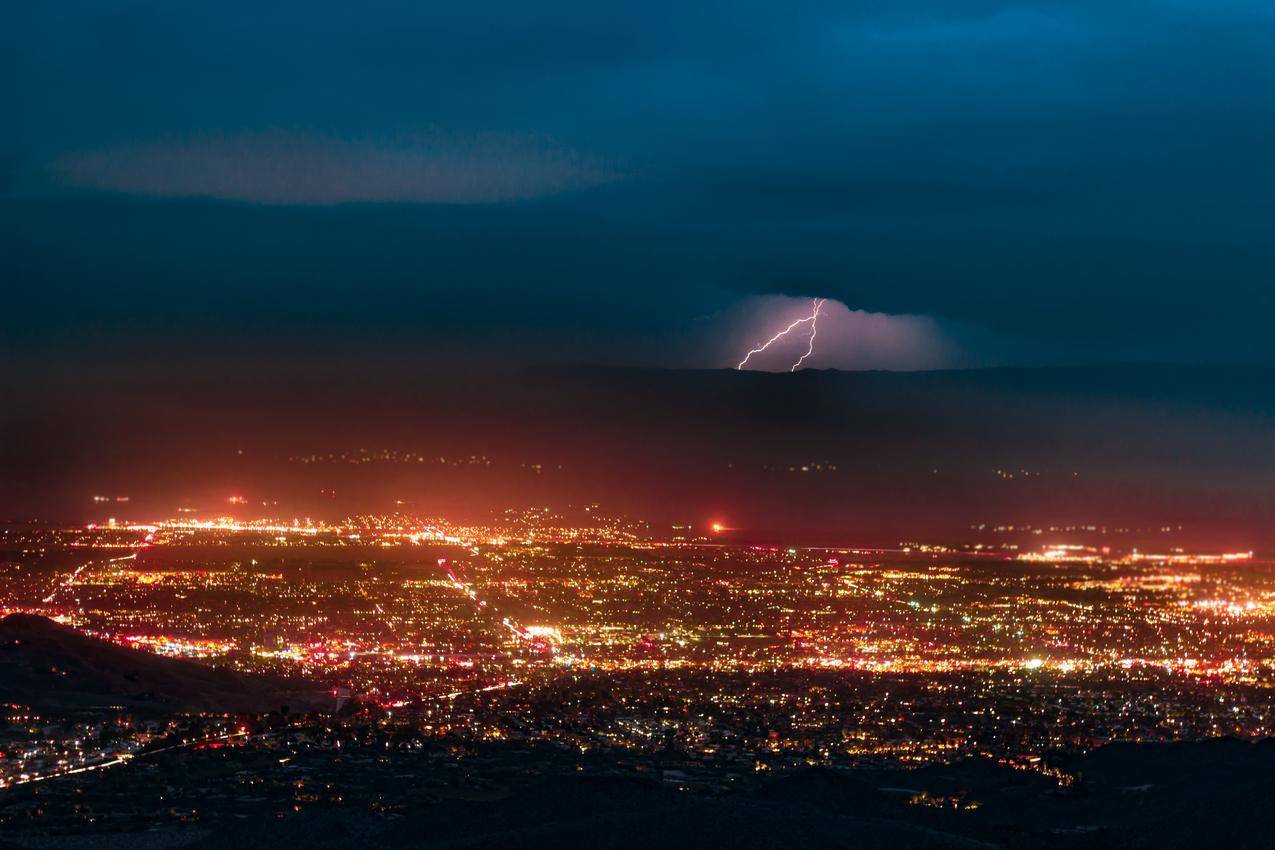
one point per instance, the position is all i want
(231, 232)
(1012, 183)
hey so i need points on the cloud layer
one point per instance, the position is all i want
(287, 168)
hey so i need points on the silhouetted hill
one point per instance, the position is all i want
(1214, 793)
(596, 813)
(48, 665)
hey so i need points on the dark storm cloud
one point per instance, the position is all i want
(1094, 175)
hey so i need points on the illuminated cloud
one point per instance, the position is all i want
(287, 168)
(847, 339)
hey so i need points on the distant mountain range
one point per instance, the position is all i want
(50, 666)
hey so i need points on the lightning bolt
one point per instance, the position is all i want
(813, 319)
(814, 329)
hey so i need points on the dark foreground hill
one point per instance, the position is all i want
(284, 793)
(47, 665)
(1202, 795)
